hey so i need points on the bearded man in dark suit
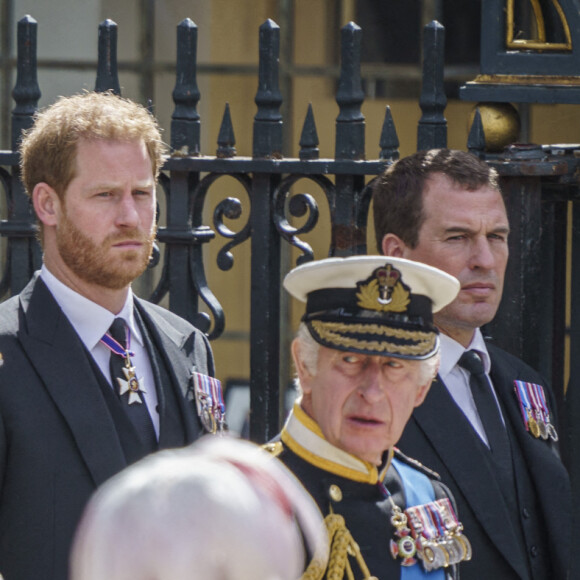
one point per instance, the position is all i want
(79, 400)
(488, 424)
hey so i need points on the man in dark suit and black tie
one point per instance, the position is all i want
(488, 424)
(91, 377)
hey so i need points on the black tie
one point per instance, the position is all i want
(137, 411)
(488, 412)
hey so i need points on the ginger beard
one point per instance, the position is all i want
(95, 264)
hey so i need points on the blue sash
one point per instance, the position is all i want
(418, 490)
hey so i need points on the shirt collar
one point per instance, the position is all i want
(451, 352)
(90, 321)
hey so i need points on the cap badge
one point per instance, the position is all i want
(383, 291)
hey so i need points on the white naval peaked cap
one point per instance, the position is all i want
(373, 304)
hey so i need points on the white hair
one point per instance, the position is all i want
(221, 509)
(308, 350)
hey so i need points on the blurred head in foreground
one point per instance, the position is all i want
(222, 509)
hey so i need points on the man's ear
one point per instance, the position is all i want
(46, 204)
(303, 373)
(422, 393)
(393, 245)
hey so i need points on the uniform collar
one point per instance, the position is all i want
(303, 436)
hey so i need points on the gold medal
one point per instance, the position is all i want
(466, 545)
(533, 425)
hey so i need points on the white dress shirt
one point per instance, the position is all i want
(456, 379)
(91, 322)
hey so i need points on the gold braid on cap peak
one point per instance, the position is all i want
(341, 545)
(329, 331)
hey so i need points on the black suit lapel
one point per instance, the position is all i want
(442, 421)
(173, 363)
(59, 357)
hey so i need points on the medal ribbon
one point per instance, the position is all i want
(203, 386)
(211, 389)
(539, 399)
(429, 525)
(116, 347)
(435, 515)
(217, 396)
(448, 514)
(415, 522)
(542, 398)
(522, 392)
(535, 402)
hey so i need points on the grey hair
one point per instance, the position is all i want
(308, 348)
(430, 366)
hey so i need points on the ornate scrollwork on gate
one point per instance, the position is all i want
(298, 205)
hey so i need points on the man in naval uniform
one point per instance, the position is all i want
(91, 377)
(365, 355)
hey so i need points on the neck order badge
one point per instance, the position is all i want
(120, 346)
(118, 341)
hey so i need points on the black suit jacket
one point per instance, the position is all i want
(440, 436)
(58, 441)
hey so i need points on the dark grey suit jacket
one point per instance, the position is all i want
(58, 441)
(440, 436)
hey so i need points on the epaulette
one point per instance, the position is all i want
(274, 447)
(416, 464)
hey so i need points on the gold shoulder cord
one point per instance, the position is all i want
(341, 545)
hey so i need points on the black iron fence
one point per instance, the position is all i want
(539, 182)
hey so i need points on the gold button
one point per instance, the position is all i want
(335, 493)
